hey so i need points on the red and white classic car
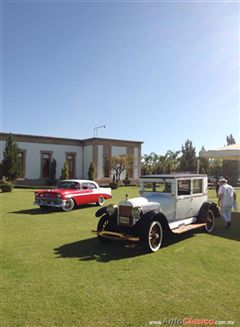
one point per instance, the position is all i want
(72, 193)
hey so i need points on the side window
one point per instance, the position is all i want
(91, 186)
(184, 187)
(75, 186)
(197, 186)
(88, 186)
(85, 186)
(157, 187)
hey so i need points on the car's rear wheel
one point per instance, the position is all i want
(101, 201)
(153, 236)
(103, 225)
(69, 205)
(210, 221)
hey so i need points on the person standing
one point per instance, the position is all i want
(226, 199)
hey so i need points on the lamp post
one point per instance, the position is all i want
(96, 129)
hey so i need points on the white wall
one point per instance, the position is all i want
(33, 157)
(135, 163)
(100, 173)
(88, 158)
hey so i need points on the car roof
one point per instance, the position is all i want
(78, 181)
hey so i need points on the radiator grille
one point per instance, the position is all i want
(125, 211)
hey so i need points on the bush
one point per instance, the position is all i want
(6, 187)
(92, 172)
(34, 187)
(113, 186)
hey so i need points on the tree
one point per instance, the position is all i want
(215, 168)
(120, 163)
(65, 171)
(153, 163)
(231, 169)
(146, 165)
(230, 140)
(172, 158)
(92, 171)
(204, 166)
(53, 171)
(11, 166)
(188, 160)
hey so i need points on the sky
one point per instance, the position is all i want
(152, 71)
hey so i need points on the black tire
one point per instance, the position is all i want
(101, 201)
(153, 236)
(103, 225)
(210, 221)
(69, 205)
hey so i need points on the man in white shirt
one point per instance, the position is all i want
(226, 199)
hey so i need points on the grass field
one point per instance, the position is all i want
(54, 272)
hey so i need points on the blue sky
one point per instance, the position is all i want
(157, 72)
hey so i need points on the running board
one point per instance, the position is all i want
(185, 228)
(114, 236)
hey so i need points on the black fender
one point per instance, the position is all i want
(100, 212)
(204, 209)
(154, 215)
(215, 209)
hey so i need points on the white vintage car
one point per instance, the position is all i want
(173, 203)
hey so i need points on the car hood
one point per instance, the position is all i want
(140, 202)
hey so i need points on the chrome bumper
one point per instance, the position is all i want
(50, 203)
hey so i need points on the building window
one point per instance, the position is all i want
(71, 160)
(107, 167)
(22, 161)
(45, 164)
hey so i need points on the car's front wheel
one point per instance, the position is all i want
(210, 221)
(69, 205)
(153, 236)
(103, 225)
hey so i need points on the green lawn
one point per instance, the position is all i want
(56, 273)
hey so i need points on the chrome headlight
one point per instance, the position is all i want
(136, 211)
(110, 209)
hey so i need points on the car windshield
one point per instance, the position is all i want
(68, 185)
(163, 187)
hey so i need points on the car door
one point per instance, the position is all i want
(91, 193)
(184, 199)
(199, 195)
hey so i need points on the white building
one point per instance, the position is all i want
(37, 153)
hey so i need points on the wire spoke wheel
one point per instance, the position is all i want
(210, 221)
(103, 225)
(153, 236)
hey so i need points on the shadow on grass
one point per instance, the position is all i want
(92, 249)
(34, 211)
(233, 232)
(39, 211)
